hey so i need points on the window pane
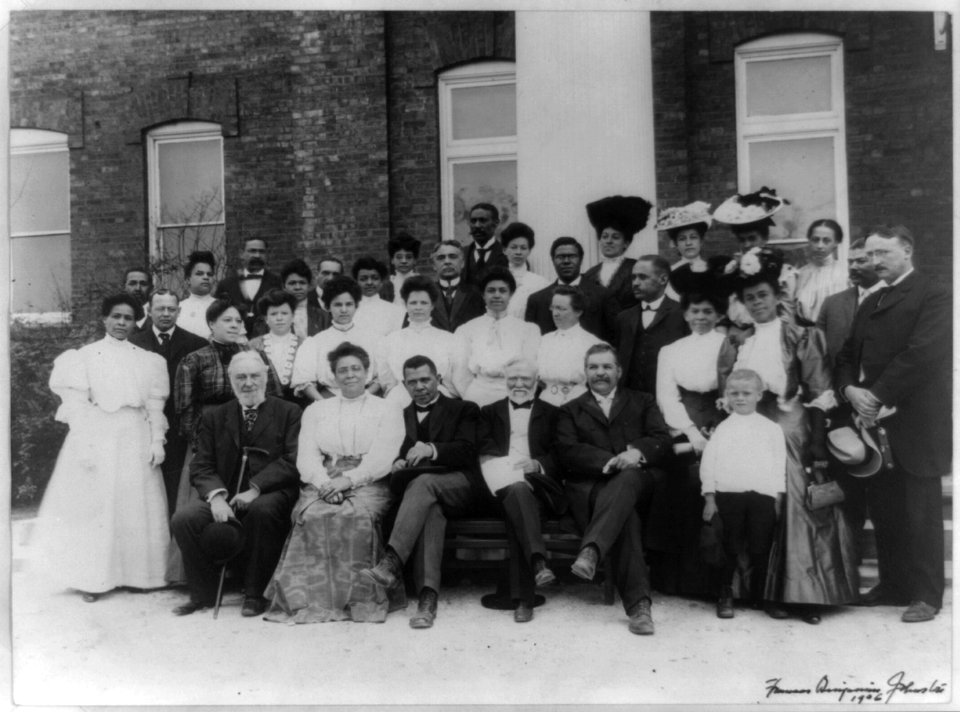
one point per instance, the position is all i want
(40, 192)
(788, 86)
(484, 112)
(491, 182)
(190, 180)
(40, 273)
(802, 171)
(178, 243)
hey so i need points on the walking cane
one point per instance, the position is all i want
(223, 569)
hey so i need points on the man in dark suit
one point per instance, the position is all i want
(262, 501)
(836, 315)
(899, 356)
(515, 443)
(137, 282)
(486, 251)
(328, 268)
(441, 433)
(567, 256)
(641, 331)
(245, 288)
(161, 335)
(459, 301)
(607, 441)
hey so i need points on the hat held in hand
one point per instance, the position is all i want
(856, 450)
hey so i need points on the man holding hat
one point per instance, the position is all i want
(245, 472)
(898, 360)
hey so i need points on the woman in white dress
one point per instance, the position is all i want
(517, 241)
(346, 448)
(494, 338)
(103, 521)
(823, 275)
(419, 295)
(312, 376)
(561, 353)
(200, 274)
(280, 343)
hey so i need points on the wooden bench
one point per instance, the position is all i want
(490, 535)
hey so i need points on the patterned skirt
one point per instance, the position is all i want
(317, 579)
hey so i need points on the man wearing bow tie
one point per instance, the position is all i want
(899, 356)
(486, 251)
(441, 436)
(266, 428)
(245, 288)
(642, 330)
(161, 335)
(459, 301)
(607, 441)
(515, 443)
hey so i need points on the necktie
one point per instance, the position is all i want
(525, 404)
(883, 292)
(249, 418)
(164, 340)
(481, 256)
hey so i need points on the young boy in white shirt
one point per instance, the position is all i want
(743, 477)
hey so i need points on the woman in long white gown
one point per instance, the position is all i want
(419, 295)
(494, 338)
(561, 353)
(103, 521)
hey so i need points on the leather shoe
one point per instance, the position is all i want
(386, 572)
(426, 610)
(878, 596)
(253, 606)
(90, 597)
(542, 575)
(776, 612)
(641, 622)
(918, 612)
(725, 607)
(189, 607)
(523, 613)
(586, 564)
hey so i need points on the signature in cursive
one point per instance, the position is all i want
(897, 684)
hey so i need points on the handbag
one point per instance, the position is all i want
(823, 492)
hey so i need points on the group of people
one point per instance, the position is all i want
(715, 427)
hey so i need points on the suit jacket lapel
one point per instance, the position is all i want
(410, 423)
(591, 407)
(235, 422)
(502, 435)
(619, 403)
(264, 417)
(633, 323)
(436, 418)
(894, 295)
(658, 316)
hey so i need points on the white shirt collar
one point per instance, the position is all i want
(574, 283)
(864, 293)
(157, 332)
(609, 397)
(902, 277)
(485, 246)
(654, 304)
(451, 284)
(248, 273)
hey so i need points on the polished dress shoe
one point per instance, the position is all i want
(725, 606)
(586, 564)
(189, 607)
(878, 596)
(641, 622)
(90, 597)
(542, 575)
(775, 611)
(386, 572)
(918, 612)
(523, 613)
(426, 610)
(253, 606)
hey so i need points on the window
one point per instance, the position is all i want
(185, 177)
(39, 224)
(478, 143)
(791, 128)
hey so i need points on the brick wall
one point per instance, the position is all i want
(898, 110)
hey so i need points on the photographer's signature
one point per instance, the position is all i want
(897, 688)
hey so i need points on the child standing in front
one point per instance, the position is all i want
(743, 476)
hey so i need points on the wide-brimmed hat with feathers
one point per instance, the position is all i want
(749, 208)
(685, 216)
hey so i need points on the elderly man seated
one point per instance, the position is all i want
(515, 436)
(245, 472)
(607, 439)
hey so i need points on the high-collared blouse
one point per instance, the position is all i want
(281, 350)
(490, 343)
(193, 315)
(311, 365)
(815, 283)
(560, 363)
(366, 426)
(378, 315)
(446, 350)
(527, 283)
(689, 363)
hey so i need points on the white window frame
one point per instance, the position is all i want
(784, 127)
(31, 141)
(179, 132)
(458, 152)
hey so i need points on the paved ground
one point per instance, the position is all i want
(128, 649)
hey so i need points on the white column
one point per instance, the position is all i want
(584, 123)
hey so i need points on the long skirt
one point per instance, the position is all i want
(317, 579)
(103, 520)
(814, 559)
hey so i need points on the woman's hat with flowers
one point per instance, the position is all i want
(750, 207)
(760, 264)
(684, 216)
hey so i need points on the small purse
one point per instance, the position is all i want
(822, 493)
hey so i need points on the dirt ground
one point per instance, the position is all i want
(128, 649)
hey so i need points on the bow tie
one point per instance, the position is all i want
(649, 307)
(424, 408)
(525, 404)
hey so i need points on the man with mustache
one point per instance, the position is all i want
(253, 281)
(486, 251)
(608, 440)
